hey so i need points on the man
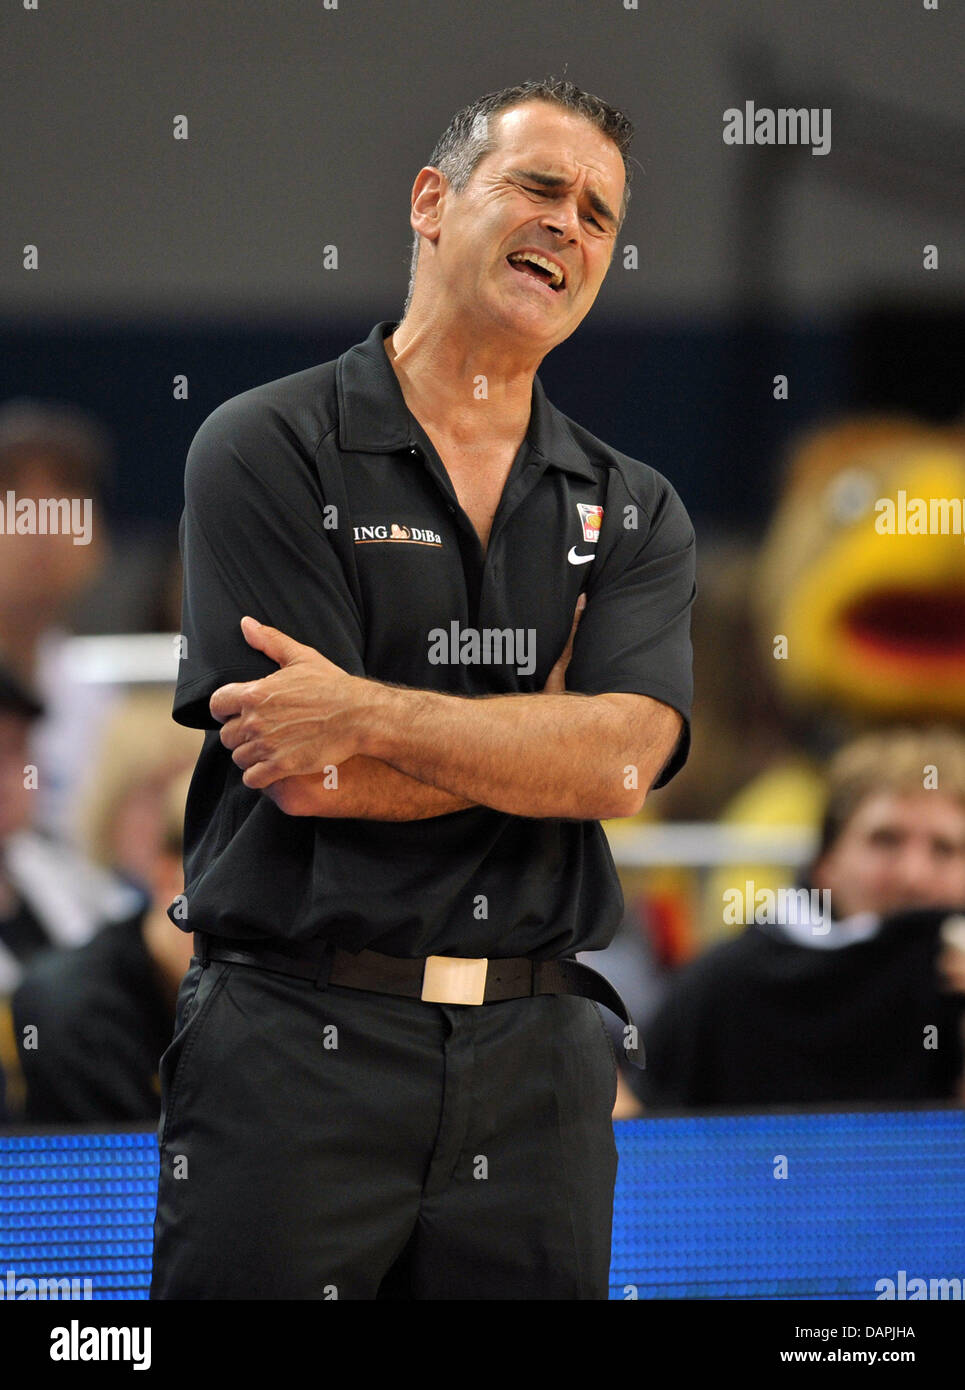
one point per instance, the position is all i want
(383, 1080)
(847, 1000)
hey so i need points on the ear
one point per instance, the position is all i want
(428, 193)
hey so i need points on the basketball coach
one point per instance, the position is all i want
(436, 631)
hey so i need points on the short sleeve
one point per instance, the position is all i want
(634, 635)
(254, 541)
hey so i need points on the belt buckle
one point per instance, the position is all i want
(454, 980)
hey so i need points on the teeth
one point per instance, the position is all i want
(554, 270)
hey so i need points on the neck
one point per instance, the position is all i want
(461, 386)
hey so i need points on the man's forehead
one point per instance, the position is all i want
(563, 144)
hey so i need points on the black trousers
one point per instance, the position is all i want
(336, 1143)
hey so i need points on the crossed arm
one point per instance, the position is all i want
(404, 754)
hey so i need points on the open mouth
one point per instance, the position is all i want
(538, 268)
(913, 624)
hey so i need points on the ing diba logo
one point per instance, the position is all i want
(395, 532)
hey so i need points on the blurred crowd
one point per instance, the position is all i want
(829, 662)
(93, 782)
(830, 700)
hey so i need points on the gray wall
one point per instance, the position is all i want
(308, 125)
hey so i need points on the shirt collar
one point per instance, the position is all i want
(374, 418)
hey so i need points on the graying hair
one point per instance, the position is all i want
(467, 139)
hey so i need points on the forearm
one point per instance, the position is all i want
(568, 756)
(366, 789)
(548, 755)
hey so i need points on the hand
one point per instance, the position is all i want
(951, 969)
(555, 681)
(303, 718)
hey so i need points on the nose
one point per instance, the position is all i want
(563, 219)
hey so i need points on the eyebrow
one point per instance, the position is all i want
(557, 181)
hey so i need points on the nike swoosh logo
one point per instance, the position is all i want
(576, 559)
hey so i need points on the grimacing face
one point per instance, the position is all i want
(897, 851)
(553, 184)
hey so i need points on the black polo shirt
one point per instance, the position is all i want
(318, 504)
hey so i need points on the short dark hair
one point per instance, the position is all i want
(72, 441)
(468, 137)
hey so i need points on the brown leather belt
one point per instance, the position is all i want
(434, 979)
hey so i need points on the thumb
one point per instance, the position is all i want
(284, 650)
(556, 681)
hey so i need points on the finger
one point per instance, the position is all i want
(247, 755)
(225, 703)
(277, 646)
(555, 680)
(232, 734)
(568, 649)
(261, 775)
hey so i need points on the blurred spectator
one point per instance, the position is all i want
(52, 453)
(843, 1000)
(49, 893)
(123, 802)
(104, 1014)
(124, 805)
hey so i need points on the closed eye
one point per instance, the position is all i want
(548, 193)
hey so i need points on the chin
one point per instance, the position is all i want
(547, 319)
